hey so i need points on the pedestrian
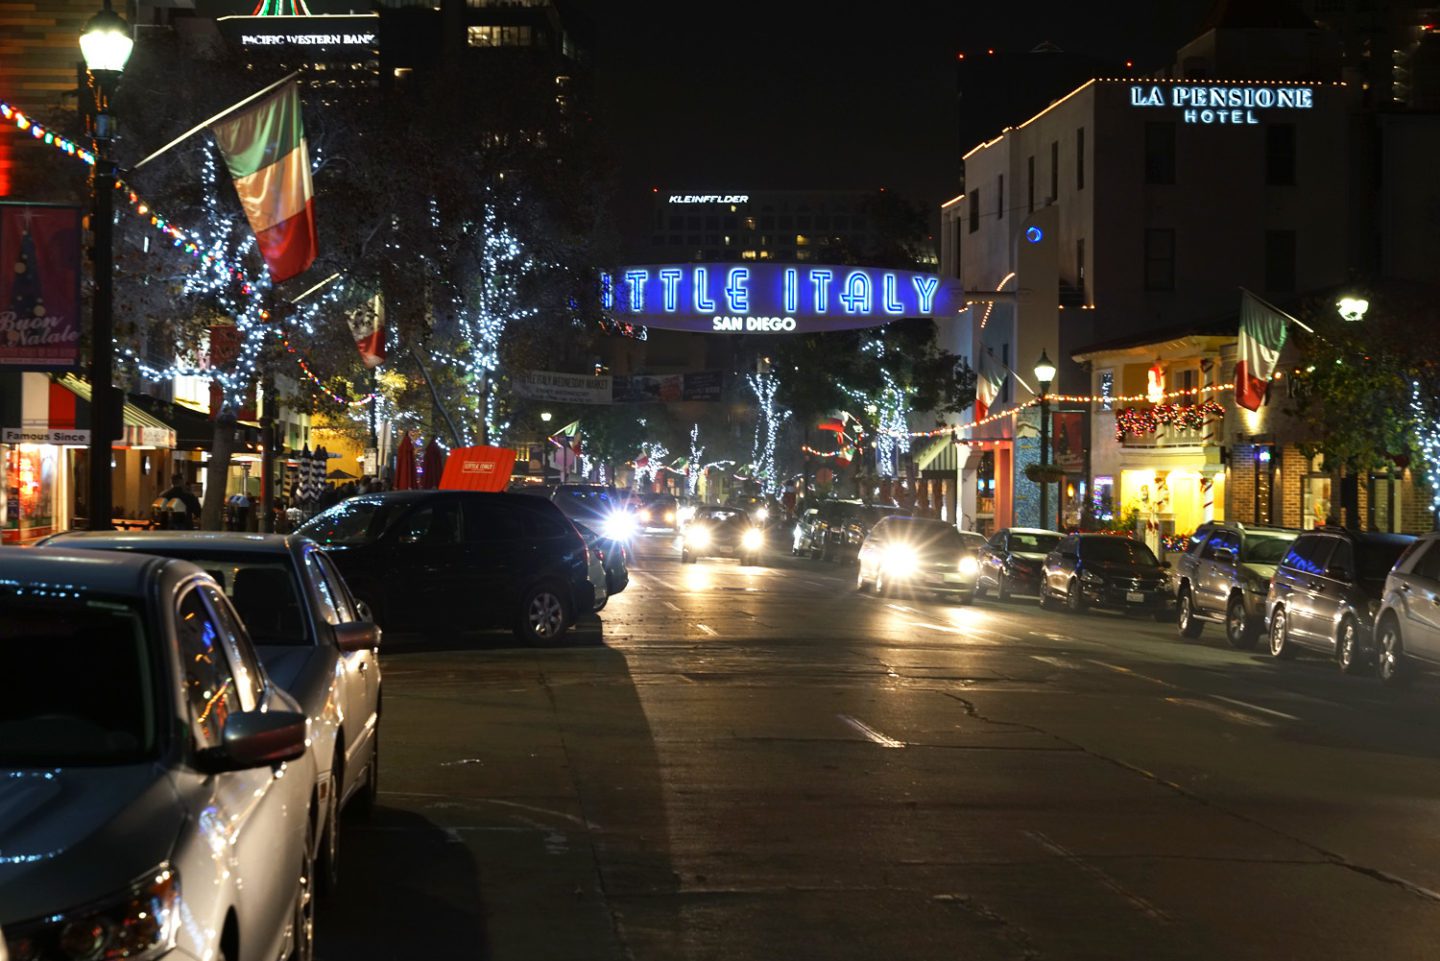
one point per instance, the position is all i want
(180, 505)
(328, 499)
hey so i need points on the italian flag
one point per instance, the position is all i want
(264, 147)
(1263, 331)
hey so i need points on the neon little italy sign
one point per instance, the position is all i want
(1231, 105)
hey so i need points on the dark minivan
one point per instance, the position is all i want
(460, 560)
(1105, 570)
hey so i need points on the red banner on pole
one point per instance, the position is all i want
(39, 286)
(478, 469)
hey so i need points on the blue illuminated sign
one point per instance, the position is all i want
(1222, 104)
(1034, 234)
(774, 298)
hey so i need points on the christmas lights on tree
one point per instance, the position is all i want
(1427, 431)
(767, 429)
(692, 473)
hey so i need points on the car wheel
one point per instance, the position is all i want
(981, 590)
(964, 599)
(1002, 589)
(544, 615)
(302, 915)
(1391, 665)
(1185, 620)
(1348, 655)
(1280, 645)
(327, 866)
(1075, 598)
(1046, 602)
(601, 606)
(686, 557)
(1238, 631)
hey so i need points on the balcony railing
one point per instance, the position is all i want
(1169, 436)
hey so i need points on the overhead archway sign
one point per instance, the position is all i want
(770, 298)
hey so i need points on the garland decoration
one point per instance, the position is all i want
(1146, 420)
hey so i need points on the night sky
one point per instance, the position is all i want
(749, 95)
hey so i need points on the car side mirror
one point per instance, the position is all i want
(357, 636)
(1338, 574)
(1164, 565)
(256, 738)
(1224, 555)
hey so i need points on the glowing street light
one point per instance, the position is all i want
(1352, 308)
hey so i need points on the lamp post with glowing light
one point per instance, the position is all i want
(105, 44)
(1045, 375)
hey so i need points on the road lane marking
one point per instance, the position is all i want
(1143, 906)
(708, 630)
(1224, 712)
(1129, 673)
(902, 608)
(672, 605)
(1055, 661)
(1255, 707)
(884, 740)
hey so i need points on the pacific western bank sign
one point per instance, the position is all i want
(773, 298)
(1211, 104)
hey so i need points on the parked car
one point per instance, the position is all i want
(920, 555)
(1012, 560)
(1407, 632)
(460, 560)
(1224, 575)
(1326, 593)
(612, 573)
(761, 510)
(159, 796)
(722, 532)
(1105, 570)
(842, 525)
(314, 639)
(802, 538)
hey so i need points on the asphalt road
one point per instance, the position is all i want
(759, 763)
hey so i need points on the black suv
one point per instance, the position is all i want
(1327, 590)
(1105, 570)
(460, 560)
(1224, 576)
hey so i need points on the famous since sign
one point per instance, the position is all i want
(753, 298)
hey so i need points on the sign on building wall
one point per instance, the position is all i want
(39, 286)
(563, 388)
(769, 298)
(1234, 105)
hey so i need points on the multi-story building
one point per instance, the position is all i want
(1131, 206)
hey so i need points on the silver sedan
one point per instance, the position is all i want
(156, 789)
(315, 640)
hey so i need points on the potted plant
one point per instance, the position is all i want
(1044, 474)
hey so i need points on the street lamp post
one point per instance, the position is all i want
(105, 44)
(1045, 374)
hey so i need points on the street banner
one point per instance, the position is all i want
(648, 388)
(1263, 332)
(367, 326)
(1067, 444)
(557, 388)
(478, 469)
(39, 286)
(703, 385)
(264, 147)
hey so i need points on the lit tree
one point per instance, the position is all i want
(769, 417)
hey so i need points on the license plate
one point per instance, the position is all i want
(1135, 597)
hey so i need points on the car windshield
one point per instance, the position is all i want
(585, 501)
(355, 521)
(76, 683)
(1026, 543)
(1267, 548)
(263, 590)
(1118, 550)
(718, 515)
(935, 535)
(1375, 558)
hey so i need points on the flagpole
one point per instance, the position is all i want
(1298, 323)
(205, 123)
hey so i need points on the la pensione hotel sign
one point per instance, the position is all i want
(1222, 104)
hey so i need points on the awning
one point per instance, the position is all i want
(194, 429)
(939, 459)
(35, 409)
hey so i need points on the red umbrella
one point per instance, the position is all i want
(405, 464)
(432, 463)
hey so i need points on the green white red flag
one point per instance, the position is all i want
(1263, 332)
(264, 147)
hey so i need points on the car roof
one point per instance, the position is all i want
(1382, 537)
(1032, 530)
(167, 542)
(54, 568)
(1248, 528)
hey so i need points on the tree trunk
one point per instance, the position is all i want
(217, 472)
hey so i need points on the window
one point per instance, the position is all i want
(1280, 261)
(1107, 389)
(205, 671)
(498, 36)
(1280, 155)
(1030, 180)
(1159, 259)
(1000, 198)
(1309, 554)
(1159, 153)
(332, 607)
(1080, 264)
(354, 521)
(1222, 540)
(339, 590)
(432, 524)
(247, 674)
(1080, 159)
(490, 522)
(974, 211)
(1054, 171)
(1428, 566)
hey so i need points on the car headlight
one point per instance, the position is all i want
(643, 514)
(669, 517)
(619, 526)
(752, 540)
(969, 566)
(1090, 577)
(900, 561)
(698, 536)
(138, 923)
(762, 513)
